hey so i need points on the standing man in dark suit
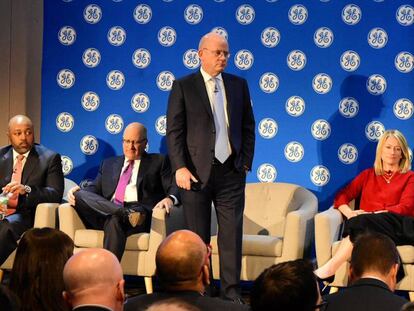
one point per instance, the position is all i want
(210, 136)
(29, 174)
(121, 198)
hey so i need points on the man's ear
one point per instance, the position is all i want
(67, 298)
(392, 277)
(351, 275)
(206, 275)
(120, 291)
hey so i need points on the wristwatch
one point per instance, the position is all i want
(27, 189)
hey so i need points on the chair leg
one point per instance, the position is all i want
(148, 284)
(333, 290)
(411, 295)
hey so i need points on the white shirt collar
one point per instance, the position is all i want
(15, 154)
(208, 77)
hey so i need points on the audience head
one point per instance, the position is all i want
(36, 276)
(409, 306)
(213, 51)
(134, 140)
(183, 262)
(8, 300)
(289, 285)
(172, 304)
(20, 133)
(94, 276)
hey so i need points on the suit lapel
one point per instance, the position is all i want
(229, 98)
(202, 91)
(32, 162)
(6, 167)
(116, 172)
(143, 169)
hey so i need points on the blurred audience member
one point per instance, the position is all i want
(8, 300)
(409, 306)
(172, 304)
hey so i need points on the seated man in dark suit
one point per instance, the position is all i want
(29, 174)
(372, 275)
(126, 189)
(183, 269)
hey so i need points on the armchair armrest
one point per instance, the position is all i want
(69, 220)
(45, 215)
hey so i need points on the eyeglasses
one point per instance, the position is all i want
(218, 53)
(133, 142)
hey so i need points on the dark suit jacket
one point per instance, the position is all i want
(154, 179)
(91, 308)
(191, 130)
(42, 172)
(366, 294)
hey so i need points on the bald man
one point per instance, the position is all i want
(29, 174)
(121, 211)
(87, 287)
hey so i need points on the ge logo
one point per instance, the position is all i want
(268, 128)
(190, 59)
(91, 57)
(89, 144)
(296, 60)
(323, 37)
(295, 106)
(403, 109)
(374, 130)
(405, 15)
(350, 60)
(92, 14)
(294, 151)
(351, 14)
(347, 153)
(167, 36)
(65, 78)
(116, 36)
(245, 14)
(141, 58)
(243, 59)
(193, 14)
(376, 84)
(348, 107)
(140, 102)
(142, 14)
(404, 62)
(161, 125)
(165, 80)
(114, 124)
(266, 173)
(269, 82)
(67, 165)
(65, 122)
(322, 83)
(270, 37)
(90, 101)
(67, 35)
(298, 14)
(410, 153)
(271, 1)
(377, 38)
(320, 175)
(321, 129)
(115, 80)
(220, 31)
(219, 1)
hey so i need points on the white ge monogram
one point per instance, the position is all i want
(115, 80)
(351, 14)
(405, 15)
(245, 14)
(376, 84)
(90, 101)
(114, 123)
(193, 14)
(347, 153)
(294, 151)
(269, 82)
(321, 129)
(142, 14)
(67, 35)
(140, 102)
(65, 122)
(350, 60)
(298, 14)
(404, 62)
(161, 125)
(295, 106)
(270, 37)
(266, 173)
(268, 128)
(377, 38)
(243, 59)
(348, 107)
(91, 57)
(165, 80)
(296, 60)
(141, 58)
(323, 37)
(322, 83)
(65, 78)
(320, 175)
(89, 144)
(116, 36)
(374, 130)
(92, 14)
(403, 109)
(191, 59)
(67, 165)
(167, 36)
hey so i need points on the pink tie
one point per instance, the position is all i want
(123, 182)
(17, 177)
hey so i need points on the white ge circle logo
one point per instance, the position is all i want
(220, 31)
(115, 80)
(90, 101)
(266, 173)
(405, 15)
(91, 57)
(296, 60)
(245, 14)
(404, 62)
(167, 36)
(298, 14)
(165, 80)
(65, 78)
(321, 129)
(323, 37)
(116, 36)
(67, 35)
(268, 128)
(322, 83)
(269, 82)
(67, 165)
(374, 130)
(351, 14)
(348, 107)
(350, 60)
(193, 14)
(89, 144)
(65, 122)
(141, 58)
(161, 125)
(114, 124)
(376, 84)
(295, 106)
(243, 59)
(270, 37)
(294, 151)
(142, 14)
(347, 153)
(92, 14)
(377, 38)
(140, 102)
(191, 59)
(320, 175)
(403, 109)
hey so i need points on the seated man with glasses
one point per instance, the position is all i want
(120, 199)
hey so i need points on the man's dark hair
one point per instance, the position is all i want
(286, 286)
